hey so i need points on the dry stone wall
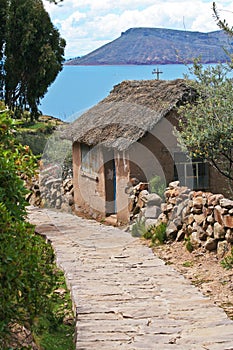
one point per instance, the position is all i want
(204, 218)
(51, 191)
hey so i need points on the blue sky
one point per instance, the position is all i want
(89, 24)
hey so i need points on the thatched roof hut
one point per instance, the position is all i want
(131, 110)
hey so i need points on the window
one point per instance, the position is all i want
(90, 159)
(193, 173)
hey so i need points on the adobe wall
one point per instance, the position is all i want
(122, 180)
(89, 189)
(153, 154)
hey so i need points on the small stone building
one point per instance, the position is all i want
(128, 135)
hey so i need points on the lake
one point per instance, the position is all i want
(77, 88)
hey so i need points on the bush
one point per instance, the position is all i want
(26, 261)
(157, 185)
(157, 234)
(138, 228)
(227, 262)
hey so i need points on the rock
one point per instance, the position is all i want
(195, 240)
(163, 218)
(174, 184)
(166, 208)
(171, 231)
(214, 199)
(152, 212)
(229, 235)
(190, 219)
(228, 221)
(210, 231)
(181, 207)
(226, 203)
(210, 219)
(178, 223)
(199, 202)
(154, 199)
(218, 211)
(180, 235)
(199, 218)
(222, 248)
(202, 233)
(151, 222)
(211, 244)
(219, 231)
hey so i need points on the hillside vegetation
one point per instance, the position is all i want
(159, 46)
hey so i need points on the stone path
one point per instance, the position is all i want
(124, 296)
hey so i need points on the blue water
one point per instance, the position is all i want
(77, 88)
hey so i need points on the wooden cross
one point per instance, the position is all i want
(157, 72)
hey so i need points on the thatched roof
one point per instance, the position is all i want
(131, 109)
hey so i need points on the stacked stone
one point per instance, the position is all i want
(51, 191)
(152, 210)
(203, 217)
(34, 195)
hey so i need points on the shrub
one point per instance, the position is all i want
(157, 234)
(138, 228)
(26, 261)
(188, 245)
(227, 262)
(157, 185)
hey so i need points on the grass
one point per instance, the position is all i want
(187, 263)
(227, 262)
(55, 330)
(157, 234)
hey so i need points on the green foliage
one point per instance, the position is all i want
(157, 234)
(54, 330)
(227, 262)
(27, 270)
(33, 52)
(138, 228)
(188, 245)
(206, 126)
(157, 185)
(188, 264)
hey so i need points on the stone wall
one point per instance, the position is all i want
(203, 218)
(49, 190)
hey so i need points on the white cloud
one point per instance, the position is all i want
(88, 24)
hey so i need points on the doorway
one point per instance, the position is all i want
(110, 182)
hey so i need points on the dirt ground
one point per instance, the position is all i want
(203, 269)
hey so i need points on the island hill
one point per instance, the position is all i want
(159, 46)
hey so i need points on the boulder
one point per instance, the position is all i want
(211, 244)
(228, 221)
(151, 222)
(229, 235)
(180, 235)
(199, 218)
(222, 248)
(218, 211)
(174, 184)
(226, 203)
(219, 232)
(152, 212)
(210, 231)
(195, 240)
(171, 231)
(154, 200)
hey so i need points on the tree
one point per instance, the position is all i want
(33, 54)
(206, 126)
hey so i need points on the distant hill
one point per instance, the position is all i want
(159, 46)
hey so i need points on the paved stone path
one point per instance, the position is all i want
(124, 296)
